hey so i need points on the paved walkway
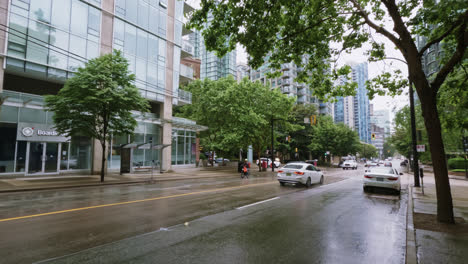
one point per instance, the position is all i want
(436, 242)
(22, 183)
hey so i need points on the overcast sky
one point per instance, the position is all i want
(393, 104)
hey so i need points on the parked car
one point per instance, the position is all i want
(382, 177)
(300, 173)
(220, 160)
(368, 163)
(388, 164)
(350, 164)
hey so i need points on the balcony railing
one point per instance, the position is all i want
(186, 71)
(185, 96)
(188, 48)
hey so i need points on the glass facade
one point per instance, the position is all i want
(183, 147)
(140, 31)
(50, 39)
(14, 154)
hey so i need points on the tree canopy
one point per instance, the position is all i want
(237, 114)
(98, 101)
(305, 33)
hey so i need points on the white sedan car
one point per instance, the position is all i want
(382, 177)
(300, 173)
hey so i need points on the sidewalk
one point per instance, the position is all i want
(437, 242)
(22, 183)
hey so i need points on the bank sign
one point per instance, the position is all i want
(39, 132)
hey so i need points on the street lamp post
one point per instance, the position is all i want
(413, 133)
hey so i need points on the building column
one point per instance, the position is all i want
(3, 21)
(166, 109)
(107, 29)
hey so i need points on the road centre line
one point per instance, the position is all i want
(136, 201)
(264, 201)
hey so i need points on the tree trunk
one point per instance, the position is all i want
(103, 160)
(433, 127)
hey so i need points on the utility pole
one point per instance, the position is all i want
(413, 133)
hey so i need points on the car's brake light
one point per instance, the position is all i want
(368, 177)
(280, 171)
(299, 172)
(392, 178)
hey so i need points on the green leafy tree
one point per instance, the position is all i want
(339, 139)
(368, 151)
(237, 114)
(388, 149)
(98, 101)
(301, 133)
(287, 30)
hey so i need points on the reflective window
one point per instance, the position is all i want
(179, 10)
(17, 42)
(61, 14)
(78, 15)
(29, 115)
(153, 20)
(131, 11)
(78, 46)
(36, 53)
(40, 10)
(178, 33)
(92, 50)
(142, 41)
(153, 48)
(140, 69)
(162, 50)
(152, 75)
(143, 14)
(130, 39)
(162, 24)
(94, 22)
(161, 77)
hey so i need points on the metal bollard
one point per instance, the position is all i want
(421, 174)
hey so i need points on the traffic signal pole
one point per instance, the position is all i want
(413, 134)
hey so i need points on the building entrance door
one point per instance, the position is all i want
(42, 157)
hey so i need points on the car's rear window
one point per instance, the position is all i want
(293, 166)
(383, 170)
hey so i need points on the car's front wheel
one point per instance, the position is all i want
(308, 183)
(282, 183)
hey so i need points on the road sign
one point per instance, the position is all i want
(420, 148)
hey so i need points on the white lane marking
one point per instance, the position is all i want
(264, 201)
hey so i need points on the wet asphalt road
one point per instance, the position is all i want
(334, 223)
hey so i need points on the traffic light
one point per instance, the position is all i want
(313, 119)
(373, 136)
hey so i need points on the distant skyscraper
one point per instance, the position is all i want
(344, 109)
(213, 67)
(288, 86)
(361, 102)
(243, 70)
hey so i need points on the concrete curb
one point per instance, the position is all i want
(411, 249)
(154, 180)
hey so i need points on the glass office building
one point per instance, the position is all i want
(48, 40)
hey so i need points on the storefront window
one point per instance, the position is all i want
(114, 160)
(64, 156)
(7, 147)
(21, 156)
(80, 153)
